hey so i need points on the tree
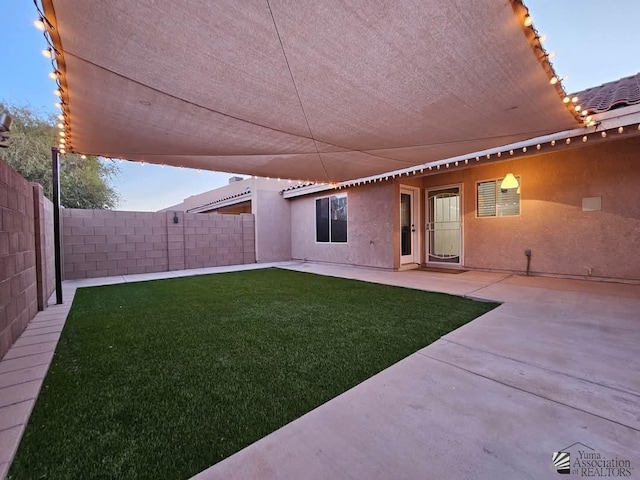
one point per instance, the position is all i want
(84, 183)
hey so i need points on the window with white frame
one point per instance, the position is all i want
(494, 201)
(331, 219)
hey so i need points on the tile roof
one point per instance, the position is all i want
(612, 95)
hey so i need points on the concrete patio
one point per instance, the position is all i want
(555, 364)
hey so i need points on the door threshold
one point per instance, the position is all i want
(408, 266)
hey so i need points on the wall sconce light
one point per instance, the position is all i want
(510, 181)
(175, 217)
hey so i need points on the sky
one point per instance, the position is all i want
(595, 42)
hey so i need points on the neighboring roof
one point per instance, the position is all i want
(220, 202)
(611, 95)
(324, 91)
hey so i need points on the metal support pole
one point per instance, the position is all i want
(57, 244)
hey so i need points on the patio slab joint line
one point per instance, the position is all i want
(528, 392)
(546, 369)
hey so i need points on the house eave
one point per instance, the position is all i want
(626, 117)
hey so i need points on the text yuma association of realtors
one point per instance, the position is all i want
(592, 464)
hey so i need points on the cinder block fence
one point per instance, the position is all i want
(100, 243)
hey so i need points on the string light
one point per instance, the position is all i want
(551, 55)
(542, 38)
(61, 126)
(566, 99)
(46, 53)
(528, 20)
(53, 75)
(57, 93)
(553, 80)
(477, 159)
(574, 99)
(466, 161)
(499, 154)
(57, 105)
(39, 24)
(524, 149)
(553, 143)
(84, 157)
(63, 151)
(62, 141)
(620, 130)
(568, 141)
(584, 139)
(61, 117)
(61, 134)
(510, 152)
(578, 108)
(488, 156)
(538, 147)
(456, 164)
(604, 134)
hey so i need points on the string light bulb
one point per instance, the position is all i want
(53, 75)
(574, 99)
(584, 139)
(567, 141)
(553, 143)
(63, 151)
(83, 157)
(61, 126)
(528, 20)
(57, 105)
(566, 99)
(542, 38)
(46, 53)
(61, 134)
(61, 117)
(553, 80)
(39, 24)
(578, 108)
(551, 55)
(620, 130)
(603, 134)
(57, 93)
(62, 141)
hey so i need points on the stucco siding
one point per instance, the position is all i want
(370, 228)
(564, 240)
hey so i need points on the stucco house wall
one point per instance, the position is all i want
(564, 240)
(371, 226)
(273, 226)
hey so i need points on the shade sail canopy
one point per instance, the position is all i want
(314, 90)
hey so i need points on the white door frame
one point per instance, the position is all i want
(414, 257)
(426, 225)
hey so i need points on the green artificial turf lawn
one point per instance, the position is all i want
(162, 379)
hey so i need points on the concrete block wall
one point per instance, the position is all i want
(213, 239)
(18, 283)
(100, 243)
(50, 261)
(45, 254)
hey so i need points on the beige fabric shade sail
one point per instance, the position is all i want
(322, 90)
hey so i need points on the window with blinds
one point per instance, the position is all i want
(495, 202)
